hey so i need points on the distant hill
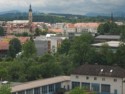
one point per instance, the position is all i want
(56, 17)
(116, 14)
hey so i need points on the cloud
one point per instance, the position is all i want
(65, 6)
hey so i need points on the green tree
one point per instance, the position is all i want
(65, 47)
(80, 48)
(108, 28)
(78, 90)
(106, 55)
(14, 47)
(122, 35)
(2, 31)
(5, 89)
(29, 49)
(37, 31)
(120, 55)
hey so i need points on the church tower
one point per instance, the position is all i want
(111, 18)
(30, 17)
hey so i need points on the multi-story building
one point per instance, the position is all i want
(45, 44)
(99, 78)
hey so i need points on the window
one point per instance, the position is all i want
(105, 88)
(75, 84)
(44, 89)
(87, 78)
(115, 80)
(57, 86)
(29, 91)
(95, 78)
(95, 87)
(51, 88)
(86, 85)
(103, 79)
(37, 90)
(77, 76)
(21, 92)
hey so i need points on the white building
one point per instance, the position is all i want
(100, 79)
(113, 45)
(43, 86)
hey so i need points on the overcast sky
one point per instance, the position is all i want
(65, 6)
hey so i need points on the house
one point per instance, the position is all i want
(4, 46)
(48, 43)
(43, 86)
(99, 78)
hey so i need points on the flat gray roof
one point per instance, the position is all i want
(108, 37)
(110, 44)
(39, 83)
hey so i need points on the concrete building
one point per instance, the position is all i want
(100, 79)
(45, 44)
(43, 86)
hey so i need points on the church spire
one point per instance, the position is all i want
(30, 8)
(112, 18)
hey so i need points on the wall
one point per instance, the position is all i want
(108, 80)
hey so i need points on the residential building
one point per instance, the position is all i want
(99, 78)
(48, 43)
(4, 46)
(43, 86)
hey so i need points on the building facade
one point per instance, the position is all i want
(100, 79)
(47, 86)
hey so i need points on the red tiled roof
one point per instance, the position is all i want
(56, 30)
(4, 45)
(91, 25)
(23, 39)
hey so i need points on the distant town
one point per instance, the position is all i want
(62, 54)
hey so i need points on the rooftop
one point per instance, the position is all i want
(100, 70)
(113, 44)
(38, 83)
(108, 37)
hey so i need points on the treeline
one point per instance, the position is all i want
(53, 18)
(70, 55)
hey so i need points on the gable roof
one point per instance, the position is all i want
(100, 70)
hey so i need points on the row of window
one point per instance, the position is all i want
(94, 86)
(95, 78)
(43, 89)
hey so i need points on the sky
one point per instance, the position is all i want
(64, 6)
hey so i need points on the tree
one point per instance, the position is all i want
(2, 32)
(105, 55)
(29, 49)
(37, 31)
(122, 35)
(65, 47)
(78, 90)
(80, 47)
(120, 55)
(14, 47)
(5, 89)
(108, 28)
